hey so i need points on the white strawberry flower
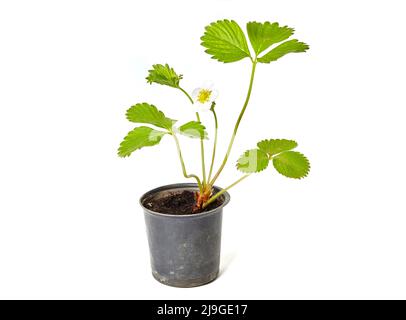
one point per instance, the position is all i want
(203, 97)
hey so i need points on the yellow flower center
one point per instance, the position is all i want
(204, 95)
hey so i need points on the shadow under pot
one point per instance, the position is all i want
(184, 247)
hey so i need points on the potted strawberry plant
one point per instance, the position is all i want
(184, 220)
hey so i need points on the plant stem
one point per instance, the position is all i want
(215, 143)
(237, 124)
(201, 140)
(224, 190)
(183, 163)
(187, 94)
(202, 154)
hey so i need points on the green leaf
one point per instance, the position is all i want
(263, 35)
(148, 113)
(291, 164)
(274, 146)
(284, 48)
(138, 138)
(164, 74)
(225, 41)
(253, 160)
(193, 129)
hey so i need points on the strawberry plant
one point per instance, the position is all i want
(226, 42)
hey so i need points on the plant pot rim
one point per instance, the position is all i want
(183, 186)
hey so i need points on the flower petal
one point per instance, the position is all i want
(205, 94)
(208, 85)
(214, 95)
(202, 107)
(195, 93)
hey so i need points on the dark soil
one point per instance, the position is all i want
(179, 203)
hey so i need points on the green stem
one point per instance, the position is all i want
(202, 154)
(215, 143)
(237, 124)
(224, 190)
(182, 162)
(187, 94)
(201, 139)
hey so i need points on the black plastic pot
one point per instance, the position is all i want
(185, 249)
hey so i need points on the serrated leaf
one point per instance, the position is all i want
(263, 35)
(193, 129)
(164, 74)
(148, 113)
(275, 146)
(291, 164)
(284, 48)
(253, 160)
(138, 138)
(225, 41)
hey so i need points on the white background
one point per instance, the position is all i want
(70, 223)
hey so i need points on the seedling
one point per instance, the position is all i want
(225, 41)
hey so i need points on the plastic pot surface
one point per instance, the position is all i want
(184, 249)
